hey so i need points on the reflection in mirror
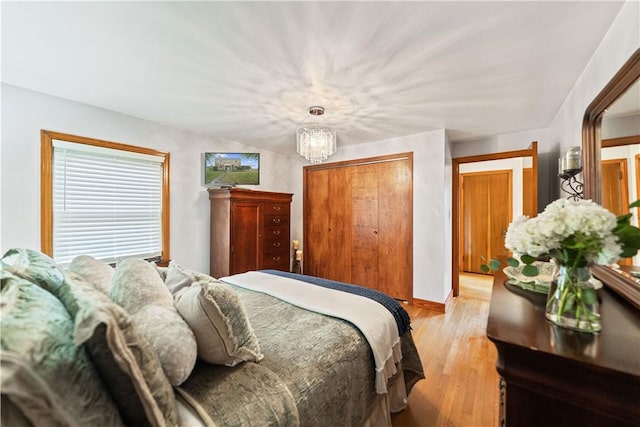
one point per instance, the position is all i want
(602, 117)
(620, 156)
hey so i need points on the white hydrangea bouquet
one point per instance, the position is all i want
(576, 235)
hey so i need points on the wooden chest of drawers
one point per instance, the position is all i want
(249, 230)
(554, 376)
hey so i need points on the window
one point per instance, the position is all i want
(103, 199)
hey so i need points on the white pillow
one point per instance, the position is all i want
(219, 321)
(139, 289)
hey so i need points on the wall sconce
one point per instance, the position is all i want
(569, 166)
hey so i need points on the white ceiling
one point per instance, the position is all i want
(249, 71)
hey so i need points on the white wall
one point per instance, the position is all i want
(622, 39)
(431, 205)
(618, 127)
(548, 154)
(25, 113)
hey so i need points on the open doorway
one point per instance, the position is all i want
(488, 192)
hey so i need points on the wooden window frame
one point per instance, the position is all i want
(46, 185)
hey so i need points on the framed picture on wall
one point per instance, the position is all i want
(231, 169)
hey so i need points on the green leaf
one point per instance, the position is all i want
(527, 259)
(624, 218)
(589, 296)
(635, 204)
(495, 264)
(484, 267)
(513, 262)
(530, 270)
(629, 240)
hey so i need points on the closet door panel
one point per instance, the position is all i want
(364, 229)
(317, 251)
(395, 225)
(338, 263)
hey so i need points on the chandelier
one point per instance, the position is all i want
(314, 141)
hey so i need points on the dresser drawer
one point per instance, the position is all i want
(277, 231)
(276, 261)
(276, 209)
(271, 220)
(275, 243)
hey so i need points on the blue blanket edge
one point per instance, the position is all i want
(397, 311)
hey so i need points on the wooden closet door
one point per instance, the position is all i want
(364, 231)
(338, 238)
(316, 244)
(358, 223)
(395, 229)
(245, 237)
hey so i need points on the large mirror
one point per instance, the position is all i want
(611, 147)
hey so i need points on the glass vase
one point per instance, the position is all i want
(572, 301)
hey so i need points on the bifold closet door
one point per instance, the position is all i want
(358, 222)
(395, 229)
(328, 225)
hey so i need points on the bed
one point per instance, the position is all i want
(318, 370)
(330, 354)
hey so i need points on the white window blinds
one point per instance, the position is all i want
(107, 203)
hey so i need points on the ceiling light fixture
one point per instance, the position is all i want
(316, 142)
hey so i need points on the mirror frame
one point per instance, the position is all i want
(623, 284)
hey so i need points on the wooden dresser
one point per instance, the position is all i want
(249, 230)
(553, 376)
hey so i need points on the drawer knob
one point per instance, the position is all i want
(276, 208)
(276, 244)
(277, 220)
(276, 232)
(276, 258)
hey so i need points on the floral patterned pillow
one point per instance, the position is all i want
(124, 358)
(45, 375)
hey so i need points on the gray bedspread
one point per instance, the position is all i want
(317, 371)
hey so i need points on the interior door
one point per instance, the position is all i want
(638, 177)
(529, 207)
(615, 186)
(486, 206)
(615, 190)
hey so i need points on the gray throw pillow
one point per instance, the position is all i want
(93, 271)
(219, 321)
(46, 379)
(139, 289)
(124, 359)
(178, 278)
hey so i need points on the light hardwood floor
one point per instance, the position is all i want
(477, 286)
(461, 385)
